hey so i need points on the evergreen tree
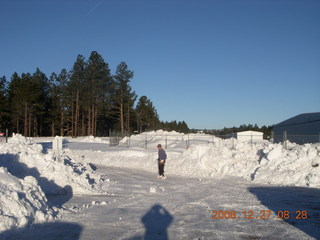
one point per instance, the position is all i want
(65, 102)
(76, 86)
(54, 103)
(124, 96)
(4, 114)
(40, 104)
(147, 116)
(15, 105)
(84, 101)
(28, 102)
(20, 101)
(98, 88)
(182, 127)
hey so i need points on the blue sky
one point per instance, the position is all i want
(211, 63)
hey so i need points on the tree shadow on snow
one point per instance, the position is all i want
(21, 170)
(47, 231)
(295, 200)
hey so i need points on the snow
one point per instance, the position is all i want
(153, 189)
(188, 202)
(260, 161)
(90, 186)
(21, 201)
(27, 175)
(90, 139)
(56, 173)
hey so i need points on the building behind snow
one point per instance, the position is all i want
(249, 135)
(303, 128)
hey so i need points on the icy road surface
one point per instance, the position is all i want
(140, 206)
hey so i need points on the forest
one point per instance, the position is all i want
(85, 100)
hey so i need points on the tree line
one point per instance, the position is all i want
(86, 100)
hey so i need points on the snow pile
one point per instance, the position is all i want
(124, 158)
(90, 139)
(226, 157)
(298, 165)
(54, 173)
(260, 162)
(170, 139)
(153, 190)
(22, 202)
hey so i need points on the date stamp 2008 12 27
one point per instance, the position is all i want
(263, 214)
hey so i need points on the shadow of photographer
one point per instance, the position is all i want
(156, 222)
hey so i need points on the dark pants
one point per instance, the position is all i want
(161, 168)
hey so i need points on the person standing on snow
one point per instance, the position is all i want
(162, 157)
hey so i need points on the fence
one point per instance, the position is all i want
(152, 139)
(4, 136)
(115, 138)
(171, 140)
(295, 138)
(178, 140)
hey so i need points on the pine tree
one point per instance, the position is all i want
(76, 86)
(20, 101)
(99, 84)
(4, 114)
(54, 103)
(147, 116)
(40, 104)
(124, 96)
(84, 101)
(28, 102)
(65, 99)
(15, 102)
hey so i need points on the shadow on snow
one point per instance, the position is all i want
(156, 222)
(47, 231)
(21, 170)
(295, 200)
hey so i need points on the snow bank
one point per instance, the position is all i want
(298, 165)
(261, 161)
(22, 202)
(54, 173)
(170, 139)
(90, 139)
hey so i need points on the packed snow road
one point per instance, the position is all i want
(140, 206)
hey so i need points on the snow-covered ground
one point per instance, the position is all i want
(89, 190)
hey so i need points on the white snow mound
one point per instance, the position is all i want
(22, 202)
(264, 162)
(54, 173)
(208, 156)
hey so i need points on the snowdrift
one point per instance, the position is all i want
(170, 139)
(55, 173)
(27, 174)
(22, 202)
(261, 161)
(90, 139)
